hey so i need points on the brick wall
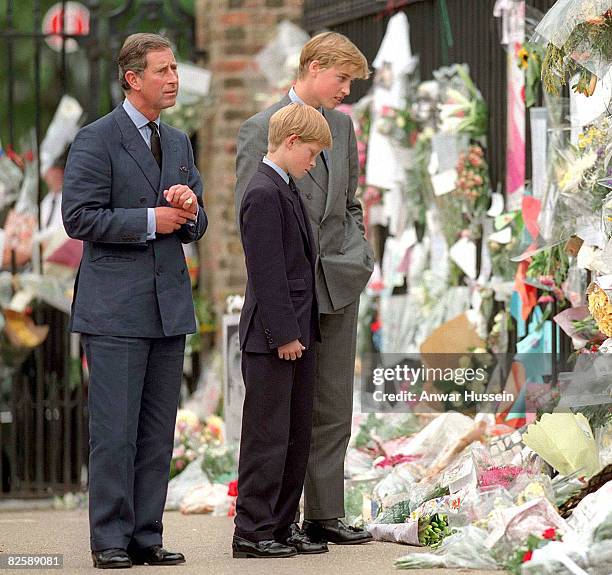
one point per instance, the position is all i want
(232, 32)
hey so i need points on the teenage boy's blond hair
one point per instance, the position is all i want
(333, 49)
(304, 121)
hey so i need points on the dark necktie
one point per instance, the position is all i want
(155, 143)
(324, 160)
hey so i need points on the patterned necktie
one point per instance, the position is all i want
(155, 143)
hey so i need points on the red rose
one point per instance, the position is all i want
(550, 533)
(527, 556)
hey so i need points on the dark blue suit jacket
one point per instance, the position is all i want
(126, 285)
(280, 301)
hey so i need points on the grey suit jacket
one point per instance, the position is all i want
(126, 285)
(345, 259)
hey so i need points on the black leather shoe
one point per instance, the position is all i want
(111, 559)
(335, 531)
(156, 555)
(299, 539)
(243, 549)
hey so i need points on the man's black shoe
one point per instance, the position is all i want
(111, 559)
(156, 555)
(299, 539)
(335, 531)
(270, 549)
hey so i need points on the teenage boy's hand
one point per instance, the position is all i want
(292, 350)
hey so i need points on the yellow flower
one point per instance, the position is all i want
(600, 309)
(523, 58)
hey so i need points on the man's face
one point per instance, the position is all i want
(332, 85)
(302, 157)
(159, 81)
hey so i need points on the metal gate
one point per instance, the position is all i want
(43, 407)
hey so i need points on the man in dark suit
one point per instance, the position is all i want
(133, 194)
(278, 327)
(328, 64)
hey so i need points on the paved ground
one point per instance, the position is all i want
(205, 541)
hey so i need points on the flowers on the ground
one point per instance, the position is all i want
(525, 553)
(600, 308)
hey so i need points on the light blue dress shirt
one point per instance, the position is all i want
(141, 121)
(277, 169)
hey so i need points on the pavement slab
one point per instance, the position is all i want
(206, 543)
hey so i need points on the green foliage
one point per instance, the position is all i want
(77, 66)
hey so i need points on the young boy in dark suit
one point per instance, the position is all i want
(278, 326)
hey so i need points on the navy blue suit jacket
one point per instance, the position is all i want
(126, 285)
(280, 301)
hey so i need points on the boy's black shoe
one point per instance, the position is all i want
(111, 559)
(335, 531)
(299, 539)
(270, 549)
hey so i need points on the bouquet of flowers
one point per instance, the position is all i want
(529, 58)
(600, 308)
(463, 109)
(525, 552)
(398, 125)
(187, 441)
(578, 41)
(473, 181)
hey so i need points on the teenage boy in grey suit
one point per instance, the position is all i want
(132, 193)
(328, 64)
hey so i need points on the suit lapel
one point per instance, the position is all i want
(336, 162)
(293, 198)
(316, 176)
(135, 146)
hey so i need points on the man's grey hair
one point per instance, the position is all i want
(133, 54)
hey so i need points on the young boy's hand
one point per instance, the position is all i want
(292, 350)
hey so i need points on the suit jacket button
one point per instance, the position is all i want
(308, 196)
(267, 331)
(143, 200)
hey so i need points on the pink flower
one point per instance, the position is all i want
(503, 475)
(179, 464)
(476, 162)
(546, 299)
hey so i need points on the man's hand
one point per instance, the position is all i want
(182, 197)
(292, 350)
(168, 220)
